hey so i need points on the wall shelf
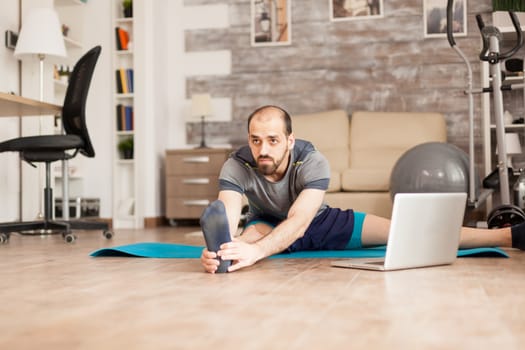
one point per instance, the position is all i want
(70, 3)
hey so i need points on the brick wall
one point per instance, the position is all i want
(381, 64)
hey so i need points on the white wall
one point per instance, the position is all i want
(97, 172)
(163, 99)
(166, 65)
(9, 127)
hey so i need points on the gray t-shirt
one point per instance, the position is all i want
(308, 168)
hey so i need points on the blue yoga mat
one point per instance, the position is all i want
(178, 251)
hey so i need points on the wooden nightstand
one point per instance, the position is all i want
(192, 180)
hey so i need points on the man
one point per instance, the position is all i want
(285, 180)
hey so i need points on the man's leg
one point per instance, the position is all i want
(478, 237)
(254, 232)
(375, 232)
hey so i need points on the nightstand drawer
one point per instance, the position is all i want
(192, 180)
(195, 164)
(183, 208)
(179, 186)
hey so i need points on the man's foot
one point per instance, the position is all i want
(518, 236)
(214, 224)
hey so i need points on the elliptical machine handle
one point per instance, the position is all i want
(450, 35)
(491, 30)
(519, 38)
(484, 38)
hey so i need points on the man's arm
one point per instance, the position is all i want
(299, 218)
(233, 204)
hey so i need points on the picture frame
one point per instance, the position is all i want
(435, 18)
(347, 10)
(271, 23)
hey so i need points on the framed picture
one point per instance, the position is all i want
(271, 22)
(435, 18)
(344, 10)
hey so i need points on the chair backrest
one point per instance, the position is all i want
(74, 108)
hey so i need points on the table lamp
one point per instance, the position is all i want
(201, 108)
(512, 146)
(40, 36)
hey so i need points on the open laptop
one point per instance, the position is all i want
(424, 231)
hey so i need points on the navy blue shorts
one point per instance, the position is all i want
(333, 229)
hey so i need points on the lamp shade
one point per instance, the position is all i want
(200, 105)
(40, 34)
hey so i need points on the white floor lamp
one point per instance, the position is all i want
(40, 36)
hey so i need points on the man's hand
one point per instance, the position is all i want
(209, 261)
(243, 254)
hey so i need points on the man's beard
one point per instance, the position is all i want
(269, 168)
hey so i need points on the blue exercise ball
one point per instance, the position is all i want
(431, 167)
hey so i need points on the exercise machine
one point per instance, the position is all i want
(505, 214)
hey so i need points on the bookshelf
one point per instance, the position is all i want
(125, 179)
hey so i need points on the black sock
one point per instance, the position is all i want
(214, 224)
(518, 236)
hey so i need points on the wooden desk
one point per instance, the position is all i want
(14, 106)
(18, 106)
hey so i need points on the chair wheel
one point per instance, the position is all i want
(505, 215)
(4, 238)
(70, 238)
(107, 234)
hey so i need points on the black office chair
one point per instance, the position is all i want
(51, 148)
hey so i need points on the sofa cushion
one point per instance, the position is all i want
(335, 181)
(378, 139)
(366, 179)
(377, 203)
(329, 133)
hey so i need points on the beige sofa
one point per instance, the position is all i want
(363, 149)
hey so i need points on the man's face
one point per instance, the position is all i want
(269, 144)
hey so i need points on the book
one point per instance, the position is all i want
(129, 118)
(118, 81)
(118, 44)
(123, 80)
(119, 120)
(122, 117)
(129, 76)
(123, 38)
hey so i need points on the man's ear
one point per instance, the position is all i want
(291, 141)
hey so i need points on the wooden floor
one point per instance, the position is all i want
(54, 296)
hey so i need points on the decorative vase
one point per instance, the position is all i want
(127, 154)
(128, 12)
